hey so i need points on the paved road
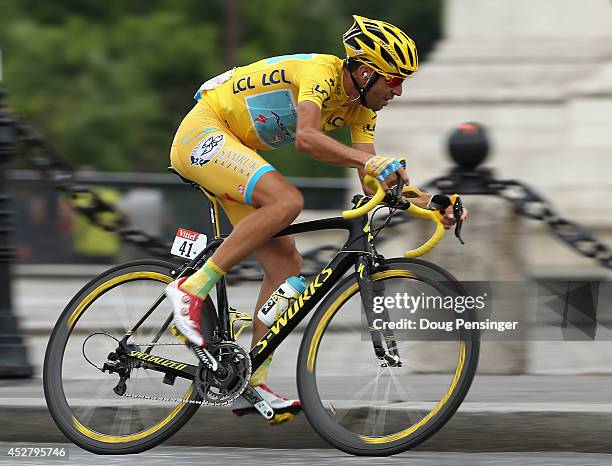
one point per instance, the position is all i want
(223, 456)
(541, 413)
(500, 414)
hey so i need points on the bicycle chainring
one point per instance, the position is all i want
(222, 387)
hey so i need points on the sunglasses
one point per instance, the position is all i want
(393, 81)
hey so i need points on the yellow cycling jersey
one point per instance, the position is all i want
(258, 102)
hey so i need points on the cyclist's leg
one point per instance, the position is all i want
(277, 203)
(278, 256)
(258, 200)
(279, 259)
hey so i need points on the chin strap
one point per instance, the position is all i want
(367, 86)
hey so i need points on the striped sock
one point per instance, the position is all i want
(201, 282)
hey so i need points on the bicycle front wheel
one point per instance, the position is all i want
(362, 404)
(82, 398)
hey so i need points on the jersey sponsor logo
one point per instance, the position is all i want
(275, 77)
(267, 79)
(232, 159)
(369, 128)
(320, 90)
(274, 117)
(206, 149)
(243, 84)
(324, 92)
(335, 121)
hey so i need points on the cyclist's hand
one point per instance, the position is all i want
(384, 169)
(449, 218)
(443, 203)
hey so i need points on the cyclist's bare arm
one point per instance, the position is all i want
(310, 139)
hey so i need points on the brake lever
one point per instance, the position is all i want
(457, 213)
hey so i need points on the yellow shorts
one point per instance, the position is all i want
(205, 151)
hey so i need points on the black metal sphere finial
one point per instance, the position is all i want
(468, 145)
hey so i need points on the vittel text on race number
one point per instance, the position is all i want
(187, 243)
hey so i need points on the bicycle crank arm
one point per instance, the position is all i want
(262, 407)
(207, 359)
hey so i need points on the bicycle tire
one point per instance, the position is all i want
(344, 429)
(106, 427)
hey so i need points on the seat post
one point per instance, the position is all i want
(213, 207)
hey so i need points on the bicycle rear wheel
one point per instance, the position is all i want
(81, 397)
(358, 403)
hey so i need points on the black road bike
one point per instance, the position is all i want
(117, 380)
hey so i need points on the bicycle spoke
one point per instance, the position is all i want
(375, 401)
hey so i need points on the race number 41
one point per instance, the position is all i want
(188, 243)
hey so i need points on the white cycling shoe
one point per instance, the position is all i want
(187, 312)
(278, 403)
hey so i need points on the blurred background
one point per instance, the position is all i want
(108, 83)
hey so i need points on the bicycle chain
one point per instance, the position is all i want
(161, 398)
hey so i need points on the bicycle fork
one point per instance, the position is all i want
(369, 290)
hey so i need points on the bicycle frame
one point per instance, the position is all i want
(357, 251)
(354, 252)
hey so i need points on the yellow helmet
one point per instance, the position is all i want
(381, 46)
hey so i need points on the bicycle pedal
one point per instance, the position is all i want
(281, 418)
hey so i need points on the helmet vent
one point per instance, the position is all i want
(367, 41)
(399, 52)
(387, 57)
(392, 32)
(378, 33)
(352, 42)
(413, 61)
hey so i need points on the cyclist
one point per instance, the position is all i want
(264, 105)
